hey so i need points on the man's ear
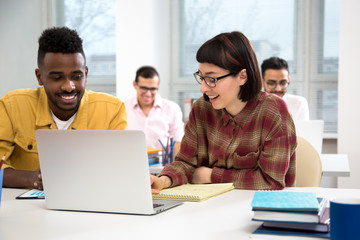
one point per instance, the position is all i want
(86, 73)
(38, 76)
(242, 77)
(134, 84)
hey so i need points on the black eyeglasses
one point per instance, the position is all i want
(210, 81)
(145, 89)
(272, 84)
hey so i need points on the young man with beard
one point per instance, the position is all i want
(60, 103)
(276, 80)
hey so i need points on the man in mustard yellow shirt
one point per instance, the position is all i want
(60, 103)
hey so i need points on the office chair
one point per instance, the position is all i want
(308, 164)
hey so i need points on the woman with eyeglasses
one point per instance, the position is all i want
(236, 132)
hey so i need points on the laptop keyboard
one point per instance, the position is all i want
(156, 205)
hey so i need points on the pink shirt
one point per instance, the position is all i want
(163, 121)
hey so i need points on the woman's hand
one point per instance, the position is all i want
(202, 175)
(158, 183)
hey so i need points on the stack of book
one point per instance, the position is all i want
(154, 155)
(291, 215)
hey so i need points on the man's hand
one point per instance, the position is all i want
(38, 181)
(158, 183)
(22, 179)
(202, 175)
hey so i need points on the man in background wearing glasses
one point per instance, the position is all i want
(276, 80)
(159, 118)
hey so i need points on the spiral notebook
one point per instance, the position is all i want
(194, 192)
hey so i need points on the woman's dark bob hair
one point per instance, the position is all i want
(234, 52)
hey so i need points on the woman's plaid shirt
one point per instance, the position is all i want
(254, 149)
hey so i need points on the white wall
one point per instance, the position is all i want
(143, 38)
(143, 35)
(349, 85)
(21, 23)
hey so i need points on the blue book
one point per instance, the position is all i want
(322, 226)
(276, 233)
(285, 201)
(295, 215)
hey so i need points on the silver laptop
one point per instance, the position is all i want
(97, 171)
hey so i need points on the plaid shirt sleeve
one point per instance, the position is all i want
(254, 149)
(186, 160)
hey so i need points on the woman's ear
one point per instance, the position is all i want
(242, 77)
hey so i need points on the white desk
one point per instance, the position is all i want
(227, 216)
(334, 166)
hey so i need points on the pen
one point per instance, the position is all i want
(164, 160)
(171, 151)
(2, 160)
(162, 145)
(167, 151)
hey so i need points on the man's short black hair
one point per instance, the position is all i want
(59, 40)
(146, 72)
(273, 63)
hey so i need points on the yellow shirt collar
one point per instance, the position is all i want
(44, 118)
